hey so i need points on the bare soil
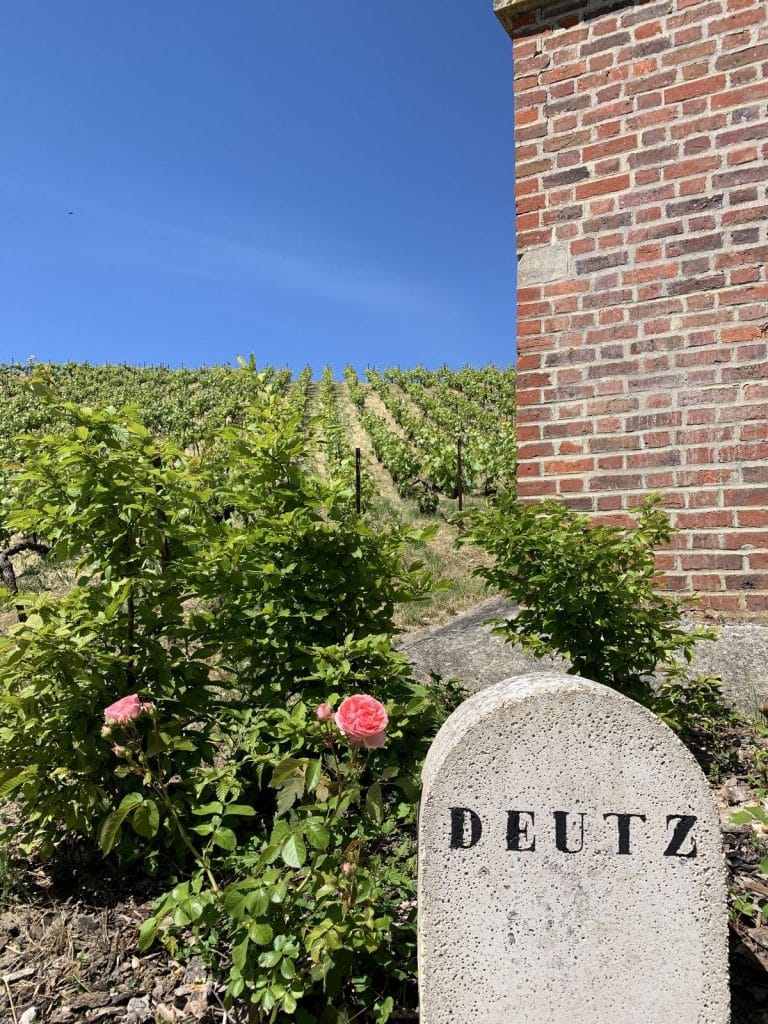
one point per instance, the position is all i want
(75, 958)
(374, 402)
(358, 438)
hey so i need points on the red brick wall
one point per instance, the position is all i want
(642, 210)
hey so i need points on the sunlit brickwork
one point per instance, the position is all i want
(641, 134)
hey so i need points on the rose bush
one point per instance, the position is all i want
(309, 909)
(125, 710)
(363, 720)
(217, 582)
(324, 712)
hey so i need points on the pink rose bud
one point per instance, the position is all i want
(363, 720)
(117, 750)
(347, 868)
(125, 710)
(324, 712)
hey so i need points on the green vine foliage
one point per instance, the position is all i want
(234, 591)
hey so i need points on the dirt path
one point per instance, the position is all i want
(375, 404)
(358, 438)
(317, 462)
(411, 407)
(440, 555)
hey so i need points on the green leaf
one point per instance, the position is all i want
(314, 771)
(373, 803)
(195, 908)
(257, 902)
(288, 969)
(213, 808)
(278, 893)
(318, 835)
(289, 779)
(286, 770)
(410, 790)
(748, 815)
(384, 1010)
(146, 819)
(15, 781)
(270, 959)
(289, 1002)
(225, 838)
(241, 810)
(147, 933)
(280, 831)
(260, 933)
(240, 952)
(294, 852)
(234, 903)
(183, 914)
(109, 831)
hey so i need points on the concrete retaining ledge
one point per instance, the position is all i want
(465, 649)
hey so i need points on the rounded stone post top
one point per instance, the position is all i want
(486, 704)
(570, 864)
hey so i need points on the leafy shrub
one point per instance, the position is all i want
(232, 593)
(311, 906)
(590, 593)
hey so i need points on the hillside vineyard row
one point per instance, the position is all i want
(411, 420)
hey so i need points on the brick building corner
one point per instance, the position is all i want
(641, 134)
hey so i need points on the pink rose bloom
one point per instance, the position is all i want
(125, 710)
(363, 720)
(324, 712)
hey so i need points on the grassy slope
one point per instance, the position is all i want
(452, 565)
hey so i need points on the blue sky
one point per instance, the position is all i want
(314, 182)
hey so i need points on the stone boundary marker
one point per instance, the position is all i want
(570, 865)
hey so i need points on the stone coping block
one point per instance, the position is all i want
(465, 649)
(507, 10)
(570, 864)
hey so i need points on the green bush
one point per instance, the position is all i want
(234, 592)
(590, 593)
(304, 891)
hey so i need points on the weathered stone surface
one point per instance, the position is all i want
(740, 658)
(465, 649)
(540, 266)
(522, 916)
(507, 10)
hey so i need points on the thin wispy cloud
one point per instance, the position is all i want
(316, 272)
(328, 277)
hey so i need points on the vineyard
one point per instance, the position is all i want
(411, 445)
